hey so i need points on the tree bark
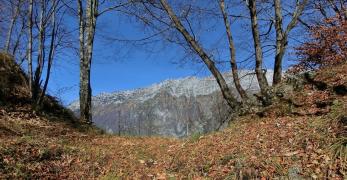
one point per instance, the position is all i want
(262, 81)
(226, 92)
(279, 43)
(18, 38)
(30, 45)
(87, 27)
(51, 52)
(282, 35)
(232, 51)
(84, 111)
(10, 29)
(40, 57)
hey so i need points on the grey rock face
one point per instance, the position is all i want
(171, 108)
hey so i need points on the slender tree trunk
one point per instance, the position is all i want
(282, 35)
(226, 92)
(280, 51)
(91, 25)
(232, 50)
(263, 84)
(279, 43)
(16, 44)
(51, 53)
(40, 57)
(10, 30)
(30, 45)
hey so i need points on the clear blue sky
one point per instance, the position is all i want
(117, 66)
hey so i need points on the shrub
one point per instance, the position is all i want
(327, 45)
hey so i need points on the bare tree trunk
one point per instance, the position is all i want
(84, 113)
(17, 42)
(30, 45)
(51, 53)
(282, 36)
(226, 92)
(10, 29)
(263, 84)
(40, 57)
(232, 50)
(87, 33)
(279, 42)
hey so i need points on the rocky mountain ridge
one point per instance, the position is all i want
(175, 107)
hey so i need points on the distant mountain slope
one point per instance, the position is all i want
(176, 107)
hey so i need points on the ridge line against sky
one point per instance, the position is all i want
(118, 66)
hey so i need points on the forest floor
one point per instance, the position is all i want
(305, 140)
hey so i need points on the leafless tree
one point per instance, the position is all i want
(87, 25)
(41, 52)
(232, 50)
(226, 91)
(282, 35)
(33, 33)
(88, 14)
(270, 9)
(328, 8)
(51, 49)
(30, 44)
(16, 6)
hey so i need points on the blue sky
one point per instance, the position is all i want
(118, 66)
(115, 76)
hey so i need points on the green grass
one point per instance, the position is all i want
(340, 149)
(195, 137)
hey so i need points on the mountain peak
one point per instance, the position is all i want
(166, 108)
(187, 86)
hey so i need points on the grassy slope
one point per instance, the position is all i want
(287, 142)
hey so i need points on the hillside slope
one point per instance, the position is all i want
(303, 135)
